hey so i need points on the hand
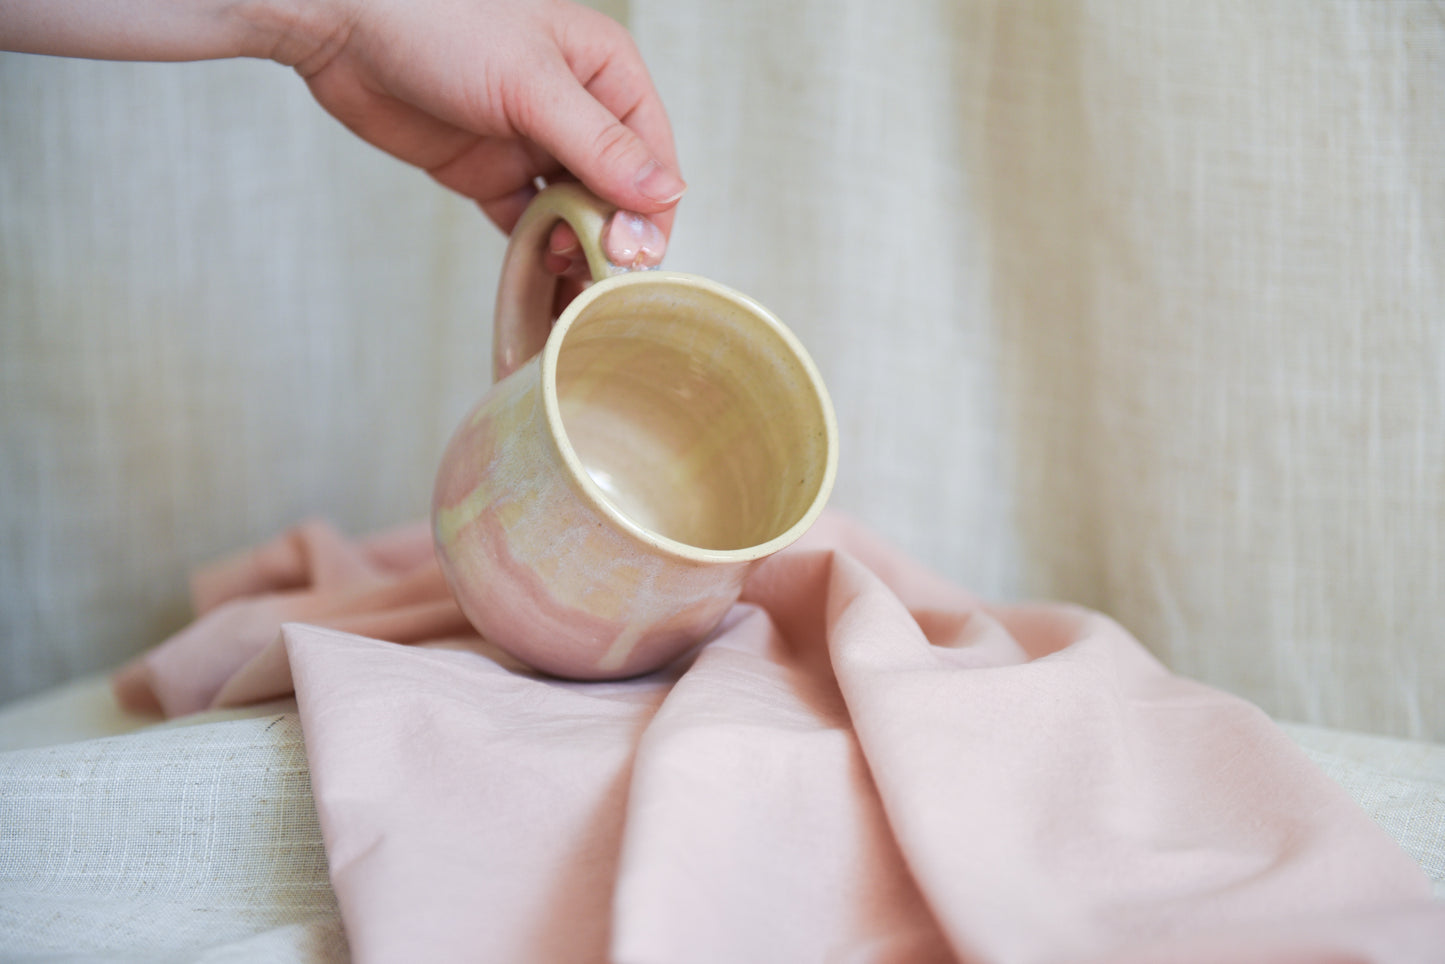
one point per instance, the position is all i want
(488, 96)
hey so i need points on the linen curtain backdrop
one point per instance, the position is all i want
(1136, 305)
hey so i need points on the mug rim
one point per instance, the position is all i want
(589, 490)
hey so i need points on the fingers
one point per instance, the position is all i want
(605, 60)
(564, 251)
(603, 152)
(629, 239)
(598, 114)
(633, 241)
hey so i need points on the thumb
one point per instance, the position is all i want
(602, 152)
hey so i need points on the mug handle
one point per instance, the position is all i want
(523, 317)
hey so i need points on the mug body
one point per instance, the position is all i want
(597, 512)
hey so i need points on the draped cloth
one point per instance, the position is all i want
(865, 762)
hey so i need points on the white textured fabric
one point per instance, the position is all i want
(177, 843)
(1131, 304)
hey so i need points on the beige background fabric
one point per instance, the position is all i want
(219, 313)
(1137, 305)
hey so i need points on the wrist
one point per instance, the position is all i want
(296, 33)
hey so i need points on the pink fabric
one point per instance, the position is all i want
(864, 764)
(387, 586)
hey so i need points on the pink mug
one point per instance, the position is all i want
(597, 512)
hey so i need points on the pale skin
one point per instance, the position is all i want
(489, 97)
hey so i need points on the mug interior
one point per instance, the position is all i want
(695, 414)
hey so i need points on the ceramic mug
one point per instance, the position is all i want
(597, 512)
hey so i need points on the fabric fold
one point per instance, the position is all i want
(388, 586)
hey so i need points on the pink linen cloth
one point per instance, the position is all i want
(865, 763)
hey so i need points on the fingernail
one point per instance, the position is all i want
(657, 183)
(633, 241)
(563, 240)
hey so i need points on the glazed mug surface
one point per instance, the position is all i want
(597, 512)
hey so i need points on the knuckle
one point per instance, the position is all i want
(613, 144)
